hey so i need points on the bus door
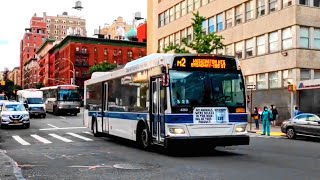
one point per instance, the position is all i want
(157, 110)
(105, 119)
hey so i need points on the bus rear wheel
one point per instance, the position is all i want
(143, 137)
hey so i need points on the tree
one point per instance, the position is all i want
(39, 85)
(103, 67)
(202, 43)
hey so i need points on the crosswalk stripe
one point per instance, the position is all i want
(86, 132)
(61, 138)
(80, 137)
(41, 139)
(20, 140)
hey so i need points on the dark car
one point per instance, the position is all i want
(302, 124)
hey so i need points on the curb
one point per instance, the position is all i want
(255, 132)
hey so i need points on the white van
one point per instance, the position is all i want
(33, 101)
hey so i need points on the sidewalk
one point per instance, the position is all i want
(274, 130)
(6, 167)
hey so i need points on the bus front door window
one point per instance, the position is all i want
(158, 107)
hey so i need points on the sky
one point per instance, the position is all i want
(15, 16)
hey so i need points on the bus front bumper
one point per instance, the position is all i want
(229, 140)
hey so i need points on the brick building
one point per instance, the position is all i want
(33, 37)
(14, 75)
(82, 53)
(142, 32)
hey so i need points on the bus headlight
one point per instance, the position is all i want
(240, 128)
(177, 130)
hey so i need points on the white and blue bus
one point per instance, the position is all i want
(168, 99)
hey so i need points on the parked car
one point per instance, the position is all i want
(302, 124)
(14, 114)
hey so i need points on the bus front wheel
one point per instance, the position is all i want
(143, 136)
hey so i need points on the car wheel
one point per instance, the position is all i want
(291, 133)
(27, 125)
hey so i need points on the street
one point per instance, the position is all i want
(59, 147)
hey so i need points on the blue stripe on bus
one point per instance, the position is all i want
(169, 118)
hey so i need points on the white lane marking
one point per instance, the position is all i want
(21, 141)
(80, 137)
(61, 138)
(52, 126)
(86, 132)
(50, 129)
(62, 117)
(41, 139)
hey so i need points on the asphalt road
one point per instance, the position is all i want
(88, 157)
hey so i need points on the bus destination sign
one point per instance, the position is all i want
(195, 62)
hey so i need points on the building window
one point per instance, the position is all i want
(239, 50)
(205, 26)
(229, 50)
(129, 55)
(304, 37)
(166, 41)
(189, 34)
(183, 8)
(204, 2)
(161, 45)
(261, 8)
(84, 50)
(229, 19)
(305, 74)
(316, 3)
(190, 5)
(249, 47)
(161, 20)
(274, 80)
(287, 3)
(77, 49)
(171, 39)
(105, 51)
(95, 50)
(196, 4)
(211, 25)
(219, 22)
(273, 42)
(286, 38)
(316, 41)
(249, 10)
(171, 13)
(177, 38)
(304, 2)
(261, 45)
(261, 81)
(287, 77)
(317, 74)
(250, 80)
(166, 17)
(177, 9)
(273, 5)
(238, 16)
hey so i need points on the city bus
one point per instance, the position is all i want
(62, 99)
(170, 99)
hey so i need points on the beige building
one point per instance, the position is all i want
(60, 26)
(117, 30)
(276, 41)
(14, 75)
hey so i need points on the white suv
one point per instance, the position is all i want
(14, 114)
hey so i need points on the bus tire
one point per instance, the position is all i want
(95, 128)
(143, 136)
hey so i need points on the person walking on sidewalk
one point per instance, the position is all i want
(256, 117)
(266, 116)
(274, 115)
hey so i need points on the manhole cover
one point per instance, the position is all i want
(131, 166)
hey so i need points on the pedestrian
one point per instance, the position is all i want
(256, 116)
(296, 111)
(274, 115)
(266, 116)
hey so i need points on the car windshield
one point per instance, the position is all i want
(14, 107)
(69, 95)
(35, 100)
(206, 89)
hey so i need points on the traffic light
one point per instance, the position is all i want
(3, 83)
(292, 88)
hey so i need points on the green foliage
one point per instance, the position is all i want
(103, 67)
(39, 85)
(9, 88)
(202, 43)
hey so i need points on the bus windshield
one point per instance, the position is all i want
(204, 89)
(34, 100)
(68, 95)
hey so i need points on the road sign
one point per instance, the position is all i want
(251, 86)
